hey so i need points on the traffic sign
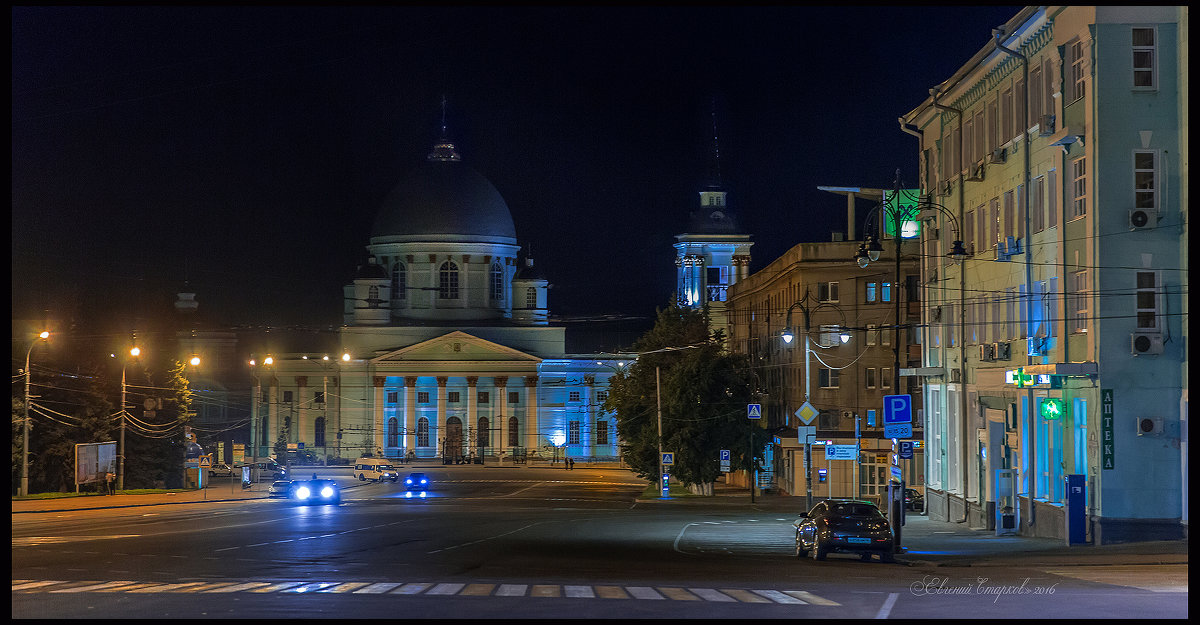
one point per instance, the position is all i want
(806, 433)
(906, 450)
(897, 430)
(724, 455)
(753, 411)
(897, 409)
(205, 462)
(807, 413)
(841, 452)
(668, 457)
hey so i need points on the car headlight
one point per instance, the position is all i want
(327, 492)
(422, 494)
(408, 481)
(408, 495)
(424, 481)
(303, 492)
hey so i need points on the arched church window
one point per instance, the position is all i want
(531, 297)
(497, 282)
(448, 281)
(399, 281)
(513, 433)
(423, 432)
(393, 432)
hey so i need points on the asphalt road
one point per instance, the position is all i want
(513, 543)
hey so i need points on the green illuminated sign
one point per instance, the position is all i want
(1052, 408)
(907, 209)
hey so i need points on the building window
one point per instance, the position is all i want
(573, 396)
(514, 397)
(572, 432)
(484, 398)
(319, 397)
(885, 293)
(993, 224)
(422, 397)
(399, 281)
(871, 292)
(602, 432)
(601, 397)
(423, 432)
(514, 439)
(448, 281)
(1145, 184)
(1011, 305)
(497, 282)
(828, 378)
(393, 397)
(531, 297)
(870, 377)
(393, 432)
(373, 300)
(872, 334)
(1035, 94)
(1147, 300)
(1052, 198)
(1037, 210)
(885, 377)
(319, 432)
(484, 437)
(1006, 116)
(1079, 302)
(1078, 187)
(1075, 86)
(1144, 54)
(287, 397)
(827, 291)
(453, 397)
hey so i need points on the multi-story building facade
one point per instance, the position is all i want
(1055, 154)
(818, 292)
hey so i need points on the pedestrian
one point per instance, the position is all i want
(108, 481)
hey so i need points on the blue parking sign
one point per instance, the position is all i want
(897, 409)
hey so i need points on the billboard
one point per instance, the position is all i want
(94, 460)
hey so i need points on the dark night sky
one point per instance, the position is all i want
(247, 150)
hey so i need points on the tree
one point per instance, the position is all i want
(704, 390)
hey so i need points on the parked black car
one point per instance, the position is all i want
(848, 525)
(914, 500)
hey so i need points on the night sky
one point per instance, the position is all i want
(246, 151)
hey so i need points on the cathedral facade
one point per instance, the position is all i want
(446, 349)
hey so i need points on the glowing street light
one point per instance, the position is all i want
(24, 490)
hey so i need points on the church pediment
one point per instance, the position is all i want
(456, 346)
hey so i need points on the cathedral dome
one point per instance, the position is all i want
(444, 199)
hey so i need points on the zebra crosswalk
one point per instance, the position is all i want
(432, 589)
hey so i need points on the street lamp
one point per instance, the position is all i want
(24, 490)
(787, 336)
(134, 352)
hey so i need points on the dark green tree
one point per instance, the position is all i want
(155, 444)
(704, 390)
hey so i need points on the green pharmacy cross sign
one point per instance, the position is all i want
(1052, 408)
(907, 208)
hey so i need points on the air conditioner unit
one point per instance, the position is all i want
(1149, 425)
(986, 353)
(975, 173)
(1001, 351)
(1141, 218)
(1046, 125)
(1145, 343)
(999, 155)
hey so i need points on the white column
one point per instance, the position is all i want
(410, 414)
(441, 415)
(377, 433)
(473, 411)
(532, 420)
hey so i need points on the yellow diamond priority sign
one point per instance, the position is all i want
(807, 413)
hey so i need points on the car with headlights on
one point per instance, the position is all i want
(416, 481)
(844, 525)
(279, 489)
(315, 491)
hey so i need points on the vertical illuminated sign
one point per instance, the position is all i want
(907, 209)
(1106, 429)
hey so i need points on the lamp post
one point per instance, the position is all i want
(869, 252)
(24, 490)
(134, 352)
(787, 335)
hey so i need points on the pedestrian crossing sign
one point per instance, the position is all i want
(753, 411)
